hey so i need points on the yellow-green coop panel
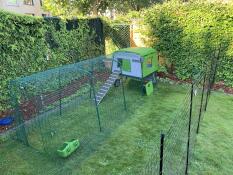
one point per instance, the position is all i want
(126, 65)
(150, 64)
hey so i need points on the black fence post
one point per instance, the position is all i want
(214, 75)
(189, 130)
(123, 91)
(207, 95)
(209, 84)
(216, 66)
(60, 90)
(96, 104)
(162, 136)
(200, 110)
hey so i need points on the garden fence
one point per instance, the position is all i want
(59, 104)
(119, 34)
(173, 154)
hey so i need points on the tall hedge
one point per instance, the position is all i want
(32, 44)
(189, 34)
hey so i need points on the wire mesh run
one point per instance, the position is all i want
(175, 152)
(58, 105)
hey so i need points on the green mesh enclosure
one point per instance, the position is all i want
(118, 136)
(117, 37)
(59, 105)
(177, 155)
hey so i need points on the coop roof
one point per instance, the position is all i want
(142, 51)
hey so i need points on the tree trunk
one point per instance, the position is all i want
(95, 7)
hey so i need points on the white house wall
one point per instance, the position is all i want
(18, 6)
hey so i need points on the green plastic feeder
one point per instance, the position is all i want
(68, 148)
(149, 88)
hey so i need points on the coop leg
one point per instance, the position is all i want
(142, 86)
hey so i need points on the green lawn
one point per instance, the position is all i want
(213, 153)
(129, 138)
(126, 149)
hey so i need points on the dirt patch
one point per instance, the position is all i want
(31, 108)
(217, 86)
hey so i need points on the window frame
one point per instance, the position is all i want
(26, 2)
(13, 4)
(149, 62)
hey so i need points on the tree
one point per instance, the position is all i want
(93, 7)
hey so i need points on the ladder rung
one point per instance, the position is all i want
(111, 78)
(105, 87)
(103, 90)
(114, 75)
(116, 71)
(108, 84)
(98, 97)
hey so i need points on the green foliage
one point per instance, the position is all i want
(23, 49)
(189, 35)
(32, 44)
(67, 8)
(71, 46)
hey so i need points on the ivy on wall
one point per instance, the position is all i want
(189, 35)
(31, 44)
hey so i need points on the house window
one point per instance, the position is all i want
(12, 2)
(44, 15)
(149, 62)
(28, 2)
(41, 3)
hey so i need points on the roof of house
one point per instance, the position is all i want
(142, 51)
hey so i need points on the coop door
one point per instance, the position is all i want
(126, 65)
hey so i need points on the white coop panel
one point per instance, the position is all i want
(135, 63)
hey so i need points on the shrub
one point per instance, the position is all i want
(190, 34)
(32, 44)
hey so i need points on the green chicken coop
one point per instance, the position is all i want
(139, 63)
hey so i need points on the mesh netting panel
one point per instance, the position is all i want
(58, 105)
(120, 35)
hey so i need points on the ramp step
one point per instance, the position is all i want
(102, 91)
(117, 71)
(110, 82)
(113, 79)
(114, 74)
(105, 88)
(107, 85)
